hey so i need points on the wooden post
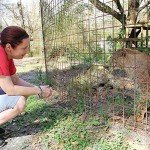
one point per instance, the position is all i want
(142, 36)
(147, 37)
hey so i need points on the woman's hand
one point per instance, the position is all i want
(46, 91)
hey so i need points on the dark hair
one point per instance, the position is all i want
(13, 35)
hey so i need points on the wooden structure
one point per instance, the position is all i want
(132, 40)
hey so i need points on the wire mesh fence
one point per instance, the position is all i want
(97, 57)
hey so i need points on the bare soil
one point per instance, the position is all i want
(27, 136)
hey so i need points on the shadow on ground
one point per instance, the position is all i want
(48, 114)
(44, 117)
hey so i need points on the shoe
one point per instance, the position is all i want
(5, 133)
(2, 131)
(2, 141)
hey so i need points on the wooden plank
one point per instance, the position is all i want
(127, 39)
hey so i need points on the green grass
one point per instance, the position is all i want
(72, 134)
(115, 144)
(62, 127)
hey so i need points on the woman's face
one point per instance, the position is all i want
(20, 51)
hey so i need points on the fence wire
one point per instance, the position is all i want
(97, 57)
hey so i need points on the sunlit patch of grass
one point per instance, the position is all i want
(68, 133)
(117, 143)
(62, 126)
(73, 134)
(64, 129)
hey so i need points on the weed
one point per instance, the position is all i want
(111, 144)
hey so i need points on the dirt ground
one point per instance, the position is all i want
(26, 137)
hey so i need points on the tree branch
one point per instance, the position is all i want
(5, 21)
(13, 11)
(142, 7)
(119, 6)
(106, 9)
(133, 4)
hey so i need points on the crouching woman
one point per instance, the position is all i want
(14, 90)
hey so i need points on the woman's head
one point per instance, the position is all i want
(15, 41)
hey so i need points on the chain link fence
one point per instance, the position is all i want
(97, 57)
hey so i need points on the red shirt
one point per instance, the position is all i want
(7, 67)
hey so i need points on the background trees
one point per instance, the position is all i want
(26, 15)
(137, 12)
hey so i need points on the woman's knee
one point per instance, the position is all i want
(20, 106)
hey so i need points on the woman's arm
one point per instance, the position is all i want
(10, 88)
(18, 81)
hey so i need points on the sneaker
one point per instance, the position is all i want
(2, 141)
(5, 133)
(2, 131)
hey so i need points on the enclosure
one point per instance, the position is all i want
(97, 55)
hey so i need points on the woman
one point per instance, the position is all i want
(14, 90)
